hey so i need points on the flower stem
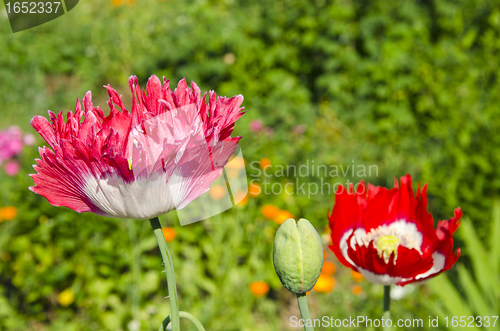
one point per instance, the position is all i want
(304, 312)
(197, 324)
(387, 301)
(169, 271)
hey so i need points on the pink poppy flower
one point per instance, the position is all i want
(299, 129)
(11, 142)
(388, 236)
(142, 163)
(256, 125)
(12, 168)
(29, 139)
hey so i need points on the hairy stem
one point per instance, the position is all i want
(387, 301)
(304, 312)
(197, 324)
(169, 271)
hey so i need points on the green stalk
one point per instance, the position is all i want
(387, 301)
(304, 311)
(64, 6)
(169, 271)
(185, 315)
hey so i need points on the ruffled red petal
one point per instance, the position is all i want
(409, 262)
(377, 207)
(346, 216)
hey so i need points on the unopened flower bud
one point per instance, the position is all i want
(298, 255)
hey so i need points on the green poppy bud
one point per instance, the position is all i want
(298, 255)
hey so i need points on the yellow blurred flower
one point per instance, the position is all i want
(5, 256)
(43, 219)
(282, 216)
(254, 190)
(229, 58)
(264, 162)
(269, 211)
(325, 284)
(236, 163)
(217, 192)
(117, 2)
(357, 289)
(241, 197)
(233, 173)
(259, 289)
(328, 268)
(8, 213)
(66, 297)
(357, 276)
(169, 233)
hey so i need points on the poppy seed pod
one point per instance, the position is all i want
(297, 255)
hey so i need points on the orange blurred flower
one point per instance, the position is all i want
(325, 284)
(282, 216)
(117, 2)
(259, 289)
(269, 211)
(217, 192)
(264, 163)
(357, 289)
(169, 233)
(325, 252)
(328, 268)
(357, 276)
(254, 190)
(8, 213)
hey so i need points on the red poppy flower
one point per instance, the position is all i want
(388, 236)
(160, 156)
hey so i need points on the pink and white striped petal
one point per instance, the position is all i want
(160, 156)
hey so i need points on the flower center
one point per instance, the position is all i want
(130, 164)
(386, 245)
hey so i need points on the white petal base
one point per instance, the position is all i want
(141, 199)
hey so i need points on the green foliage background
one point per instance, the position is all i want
(408, 86)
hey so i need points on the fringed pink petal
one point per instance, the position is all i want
(140, 164)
